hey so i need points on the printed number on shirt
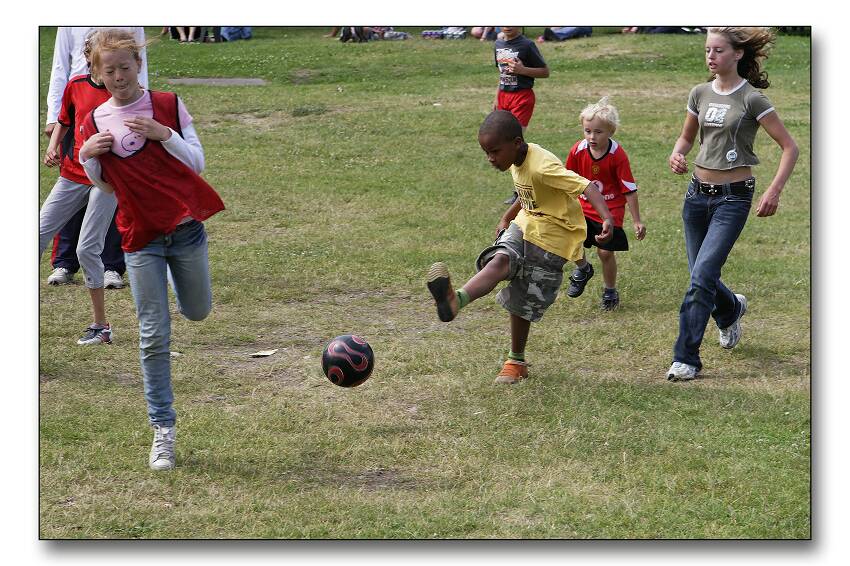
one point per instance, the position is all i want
(716, 114)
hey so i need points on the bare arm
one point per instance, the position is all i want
(678, 163)
(634, 209)
(769, 201)
(597, 201)
(509, 215)
(52, 157)
(517, 68)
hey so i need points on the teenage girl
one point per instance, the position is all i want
(141, 145)
(726, 112)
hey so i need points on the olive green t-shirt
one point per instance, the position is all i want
(727, 124)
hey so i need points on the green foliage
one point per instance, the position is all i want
(345, 177)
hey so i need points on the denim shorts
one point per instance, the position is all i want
(535, 275)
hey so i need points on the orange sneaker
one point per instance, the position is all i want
(440, 286)
(512, 372)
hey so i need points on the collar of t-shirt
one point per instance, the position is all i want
(716, 88)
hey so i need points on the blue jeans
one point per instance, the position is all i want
(230, 33)
(179, 258)
(712, 225)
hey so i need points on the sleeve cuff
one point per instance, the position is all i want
(765, 113)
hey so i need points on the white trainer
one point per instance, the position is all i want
(96, 335)
(162, 449)
(112, 280)
(60, 276)
(682, 372)
(731, 335)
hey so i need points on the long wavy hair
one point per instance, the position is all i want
(755, 43)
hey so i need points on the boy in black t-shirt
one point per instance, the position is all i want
(519, 62)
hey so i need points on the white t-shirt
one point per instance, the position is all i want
(69, 61)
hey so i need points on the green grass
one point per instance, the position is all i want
(345, 177)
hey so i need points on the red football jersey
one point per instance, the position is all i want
(612, 169)
(81, 96)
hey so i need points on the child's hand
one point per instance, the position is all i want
(515, 67)
(607, 232)
(148, 127)
(51, 158)
(99, 143)
(640, 230)
(678, 163)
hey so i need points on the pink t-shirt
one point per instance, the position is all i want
(110, 118)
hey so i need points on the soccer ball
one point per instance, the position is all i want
(348, 360)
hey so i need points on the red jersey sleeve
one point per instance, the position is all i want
(624, 173)
(66, 111)
(571, 162)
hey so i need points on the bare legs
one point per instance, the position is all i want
(496, 270)
(609, 268)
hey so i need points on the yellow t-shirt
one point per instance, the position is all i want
(551, 215)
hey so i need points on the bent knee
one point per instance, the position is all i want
(196, 312)
(87, 254)
(500, 261)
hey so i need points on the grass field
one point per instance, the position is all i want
(345, 177)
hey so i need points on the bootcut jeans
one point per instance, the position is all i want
(712, 224)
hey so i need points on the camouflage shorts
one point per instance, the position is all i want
(535, 275)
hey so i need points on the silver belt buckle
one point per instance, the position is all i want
(713, 190)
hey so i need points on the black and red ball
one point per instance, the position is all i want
(348, 360)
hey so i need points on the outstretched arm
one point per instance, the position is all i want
(596, 200)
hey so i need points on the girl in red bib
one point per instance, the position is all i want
(142, 146)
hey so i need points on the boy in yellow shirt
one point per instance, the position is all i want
(537, 235)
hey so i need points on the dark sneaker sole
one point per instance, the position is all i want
(577, 291)
(439, 284)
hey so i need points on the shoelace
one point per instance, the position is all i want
(91, 331)
(163, 446)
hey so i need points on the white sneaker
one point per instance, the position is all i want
(112, 280)
(96, 335)
(731, 335)
(60, 276)
(682, 372)
(162, 450)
